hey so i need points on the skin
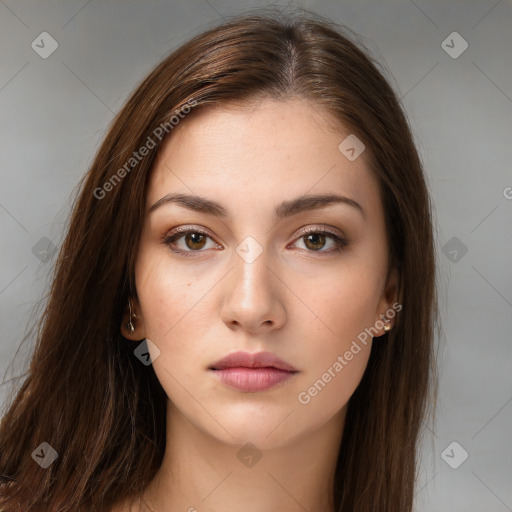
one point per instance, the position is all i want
(306, 306)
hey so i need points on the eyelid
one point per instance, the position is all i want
(187, 229)
(325, 228)
(303, 230)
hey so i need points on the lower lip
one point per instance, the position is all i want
(253, 379)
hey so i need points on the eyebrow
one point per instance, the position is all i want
(285, 209)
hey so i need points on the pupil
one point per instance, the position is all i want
(197, 237)
(317, 237)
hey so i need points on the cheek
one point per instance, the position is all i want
(344, 305)
(339, 304)
(337, 365)
(329, 388)
(175, 307)
(176, 315)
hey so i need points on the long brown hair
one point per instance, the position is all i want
(91, 399)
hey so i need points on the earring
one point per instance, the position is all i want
(129, 325)
(387, 327)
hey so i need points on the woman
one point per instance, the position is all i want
(243, 310)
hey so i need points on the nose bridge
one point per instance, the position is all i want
(251, 274)
(253, 299)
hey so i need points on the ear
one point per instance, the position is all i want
(137, 321)
(388, 299)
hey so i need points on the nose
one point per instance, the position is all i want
(254, 296)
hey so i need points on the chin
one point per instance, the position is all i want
(265, 427)
(259, 437)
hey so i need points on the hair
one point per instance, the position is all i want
(88, 396)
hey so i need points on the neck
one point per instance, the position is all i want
(202, 473)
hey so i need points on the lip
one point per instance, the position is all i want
(248, 360)
(252, 372)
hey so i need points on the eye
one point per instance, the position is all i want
(315, 240)
(193, 241)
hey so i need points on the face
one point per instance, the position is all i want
(257, 271)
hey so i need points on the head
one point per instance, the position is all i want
(260, 190)
(250, 277)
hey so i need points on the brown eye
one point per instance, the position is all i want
(195, 241)
(315, 241)
(188, 242)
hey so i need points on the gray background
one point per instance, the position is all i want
(56, 110)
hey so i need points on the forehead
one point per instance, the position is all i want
(259, 155)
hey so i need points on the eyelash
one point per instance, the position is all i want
(171, 239)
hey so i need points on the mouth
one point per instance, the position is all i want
(252, 372)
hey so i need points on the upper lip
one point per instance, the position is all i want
(248, 360)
